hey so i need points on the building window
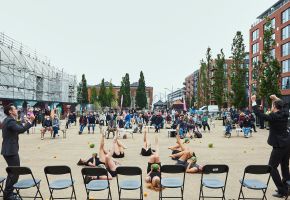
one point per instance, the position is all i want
(285, 83)
(255, 48)
(285, 49)
(285, 16)
(273, 22)
(255, 34)
(255, 60)
(285, 66)
(273, 36)
(285, 32)
(273, 53)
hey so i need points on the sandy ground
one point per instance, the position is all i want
(236, 152)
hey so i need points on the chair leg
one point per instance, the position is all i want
(51, 197)
(181, 193)
(38, 191)
(264, 194)
(202, 195)
(223, 189)
(200, 190)
(18, 193)
(88, 194)
(240, 192)
(73, 192)
(243, 195)
(120, 191)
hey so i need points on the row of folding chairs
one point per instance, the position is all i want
(135, 183)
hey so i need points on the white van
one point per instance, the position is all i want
(211, 109)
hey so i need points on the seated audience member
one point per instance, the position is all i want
(46, 126)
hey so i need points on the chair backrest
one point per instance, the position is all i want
(19, 170)
(57, 170)
(94, 171)
(129, 171)
(258, 169)
(215, 169)
(173, 169)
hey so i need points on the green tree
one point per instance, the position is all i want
(83, 91)
(256, 73)
(94, 95)
(141, 98)
(219, 79)
(110, 95)
(192, 101)
(207, 90)
(270, 67)
(103, 94)
(202, 84)
(238, 72)
(125, 91)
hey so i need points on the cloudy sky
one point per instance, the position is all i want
(108, 38)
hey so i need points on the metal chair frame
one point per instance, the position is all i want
(92, 171)
(129, 171)
(214, 169)
(59, 170)
(255, 169)
(17, 171)
(172, 169)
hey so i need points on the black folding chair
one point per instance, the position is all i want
(172, 182)
(25, 183)
(2, 179)
(288, 183)
(255, 184)
(59, 184)
(96, 185)
(129, 184)
(213, 183)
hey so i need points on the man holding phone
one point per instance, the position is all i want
(10, 145)
(279, 139)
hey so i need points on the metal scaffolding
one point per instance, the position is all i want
(26, 76)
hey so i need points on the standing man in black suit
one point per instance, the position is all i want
(10, 146)
(279, 139)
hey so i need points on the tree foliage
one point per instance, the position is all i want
(238, 72)
(103, 94)
(110, 95)
(94, 95)
(141, 98)
(270, 67)
(202, 84)
(219, 79)
(207, 89)
(83, 91)
(125, 91)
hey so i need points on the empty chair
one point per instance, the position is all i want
(96, 185)
(25, 183)
(2, 179)
(129, 184)
(213, 183)
(59, 184)
(255, 184)
(172, 182)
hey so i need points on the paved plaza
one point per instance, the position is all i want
(237, 152)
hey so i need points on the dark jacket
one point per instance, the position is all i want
(10, 133)
(278, 135)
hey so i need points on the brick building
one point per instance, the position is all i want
(133, 89)
(279, 14)
(188, 86)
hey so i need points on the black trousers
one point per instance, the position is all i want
(280, 156)
(11, 180)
